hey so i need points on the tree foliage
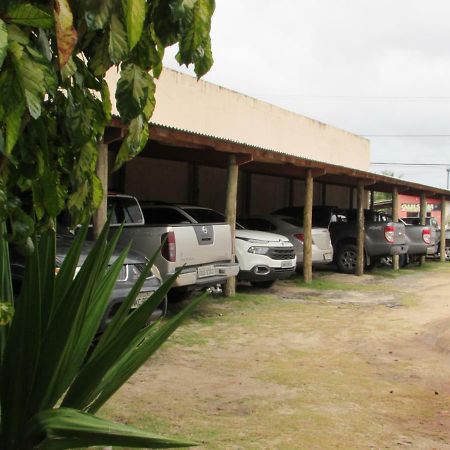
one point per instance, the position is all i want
(55, 103)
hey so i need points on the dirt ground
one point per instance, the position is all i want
(347, 364)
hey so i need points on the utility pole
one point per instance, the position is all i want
(448, 178)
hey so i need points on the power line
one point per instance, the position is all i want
(404, 135)
(410, 164)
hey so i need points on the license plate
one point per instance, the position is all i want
(140, 299)
(327, 257)
(286, 264)
(206, 271)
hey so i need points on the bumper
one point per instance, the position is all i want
(432, 250)
(319, 256)
(268, 274)
(206, 275)
(398, 249)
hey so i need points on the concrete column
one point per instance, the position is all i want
(230, 212)
(423, 217)
(307, 227)
(443, 223)
(360, 235)
(99, 217)
(395, 216)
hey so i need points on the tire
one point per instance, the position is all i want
(263, 284)
(346, 258)
(447, 250)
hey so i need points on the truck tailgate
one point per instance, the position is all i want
(202, 244)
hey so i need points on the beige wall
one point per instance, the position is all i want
(202, 107)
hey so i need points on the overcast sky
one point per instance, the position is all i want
(370, 67)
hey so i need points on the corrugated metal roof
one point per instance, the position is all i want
(381, 182)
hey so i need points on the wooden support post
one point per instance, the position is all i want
(372, 200)
(230, 212)
(443, 223)
(395, 217)
(423, 218)
(99, 218)
(307, 227)
(360, 236)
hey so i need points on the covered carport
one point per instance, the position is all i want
(192, 164)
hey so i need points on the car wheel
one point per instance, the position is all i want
(346, 258)
(263, 284)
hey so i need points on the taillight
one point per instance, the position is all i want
(300, 237)
(426, 235)
(169, 248)
(389, 233)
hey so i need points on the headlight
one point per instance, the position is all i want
(258, 250)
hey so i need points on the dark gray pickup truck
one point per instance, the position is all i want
(131, 270)
(381, 238)
(434, 225)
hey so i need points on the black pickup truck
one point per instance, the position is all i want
(381, 238)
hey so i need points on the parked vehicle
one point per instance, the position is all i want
(131, 270)
(431, 221)
(202, 250)
(262, 257)
(381, 238)
(292, 228)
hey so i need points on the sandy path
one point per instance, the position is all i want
(367, 367)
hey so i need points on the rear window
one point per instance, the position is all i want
(201, 215)
(166, 216)
(124, 209)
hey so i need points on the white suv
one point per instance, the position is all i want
(264, 257)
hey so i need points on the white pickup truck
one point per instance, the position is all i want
(204, 251)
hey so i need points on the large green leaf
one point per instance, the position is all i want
(3, 42)
(134, 142)
(32, 78)
(97, 13)
(100, 61)
(22, 351)
(67, 428)
(135, 11)
(118, 45)
(132, 91)
(195, 44)
(29, 15)
(54, 193)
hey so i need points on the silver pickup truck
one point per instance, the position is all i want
(204, 251)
